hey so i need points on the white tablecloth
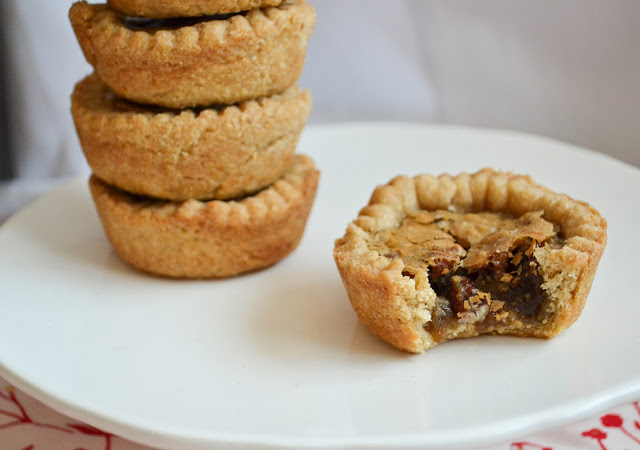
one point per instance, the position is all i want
(27, 424)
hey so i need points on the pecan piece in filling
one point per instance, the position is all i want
(480, 265)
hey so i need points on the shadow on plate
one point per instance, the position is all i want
(301, 317)
(309, 318)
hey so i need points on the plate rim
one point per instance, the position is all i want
(471, 435)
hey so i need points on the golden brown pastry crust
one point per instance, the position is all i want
(195, 239)
(159, 9)
(178, 155)
(397, 307)
(213, 62)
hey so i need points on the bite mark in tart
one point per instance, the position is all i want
(433, 259)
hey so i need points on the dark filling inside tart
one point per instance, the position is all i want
(121, 105)
(145, 24)
(509, 290)
(482, 267)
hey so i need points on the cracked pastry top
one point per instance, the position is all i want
(191, 62)
(185, 8)
(438, 258)
(196, 239)
(213, 153)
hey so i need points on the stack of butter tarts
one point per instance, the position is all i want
(189, 124)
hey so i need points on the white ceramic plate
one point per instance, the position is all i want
(277, 358)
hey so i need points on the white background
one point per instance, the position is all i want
(569, 70)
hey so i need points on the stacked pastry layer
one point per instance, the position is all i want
(190, 123)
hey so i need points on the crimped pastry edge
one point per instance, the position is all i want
(179, 65)
(173, 155)
(259, 22)
(195, 239)
(396, 308)
(160, 9)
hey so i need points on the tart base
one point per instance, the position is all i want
(246, 56)
(221, 154)
(195, 239)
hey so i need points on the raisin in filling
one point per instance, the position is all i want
(508, 290)
(145, 24)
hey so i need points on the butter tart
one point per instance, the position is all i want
(195, 239)
(211, 153)
(437, 258)
(185, 8)
(218, 61)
